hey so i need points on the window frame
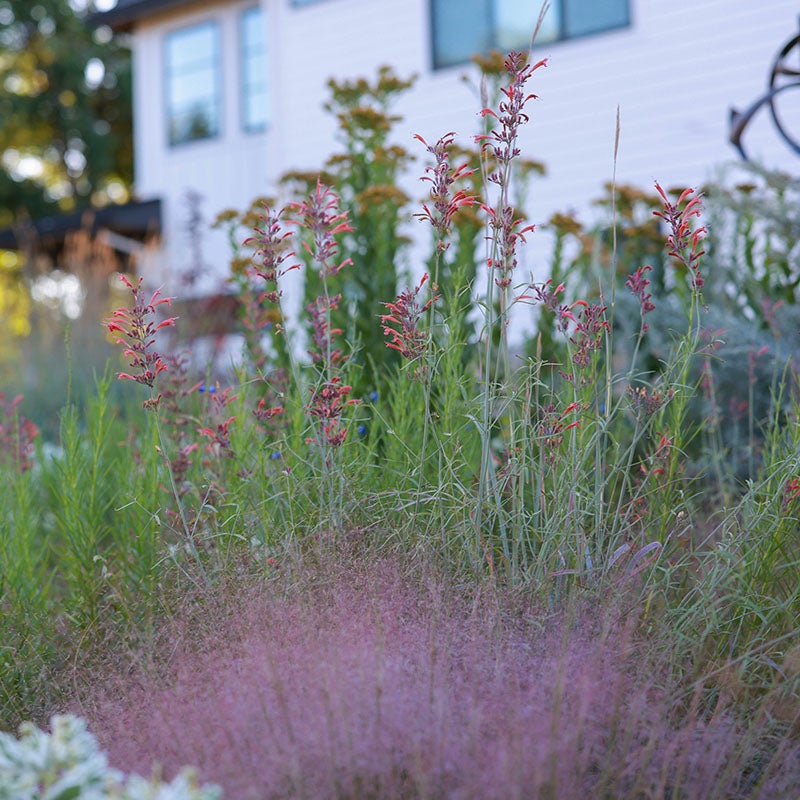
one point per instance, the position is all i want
(243, 85)
(217, 88)
(561, 36)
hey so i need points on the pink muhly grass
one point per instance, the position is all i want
(137, 327)
(370, 684)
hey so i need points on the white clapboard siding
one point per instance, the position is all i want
(674, 73)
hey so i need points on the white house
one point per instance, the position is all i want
(228, 94)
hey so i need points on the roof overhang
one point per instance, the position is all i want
(136, 220)
(127, 13)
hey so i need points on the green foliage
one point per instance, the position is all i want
(754, 241)
(54, 113)
(365, 176)
(585, 470)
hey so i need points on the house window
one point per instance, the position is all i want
(462, 28)
(255, 90)
(193, 83)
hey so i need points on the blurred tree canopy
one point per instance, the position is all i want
(65, 110)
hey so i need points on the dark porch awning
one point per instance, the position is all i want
(136, 220)
(127, 12)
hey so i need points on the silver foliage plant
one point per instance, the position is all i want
(68, 763)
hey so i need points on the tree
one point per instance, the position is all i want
(65, 110)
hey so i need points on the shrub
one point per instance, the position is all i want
(67, 764)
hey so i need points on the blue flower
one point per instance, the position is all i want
(373, 395)
(275, 455)
(362, 430)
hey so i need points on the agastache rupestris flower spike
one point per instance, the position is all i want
(137, 328)
(637, 282)
(405, 314)
(441, 176)
(321, 216)
(502, 140)
(683, 241)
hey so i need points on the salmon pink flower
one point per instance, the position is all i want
(405, 314)
(442, 175)
(137, 327)
(683, 240)
(322, 218)
(327, 405)
(502, 141)
(638, 283)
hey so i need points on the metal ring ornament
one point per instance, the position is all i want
(739, 120)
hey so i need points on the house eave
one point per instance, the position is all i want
(136, 220)
(124, 16)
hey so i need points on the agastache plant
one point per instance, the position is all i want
(137, 327)
(263, 310)
(506, 228)
(445, 203)
(319, 215)
(638, 282)
(684, 242)
(402, 325)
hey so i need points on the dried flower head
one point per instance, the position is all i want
(646, 402)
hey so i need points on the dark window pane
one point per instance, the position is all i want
(582, 17)
(461, 28)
